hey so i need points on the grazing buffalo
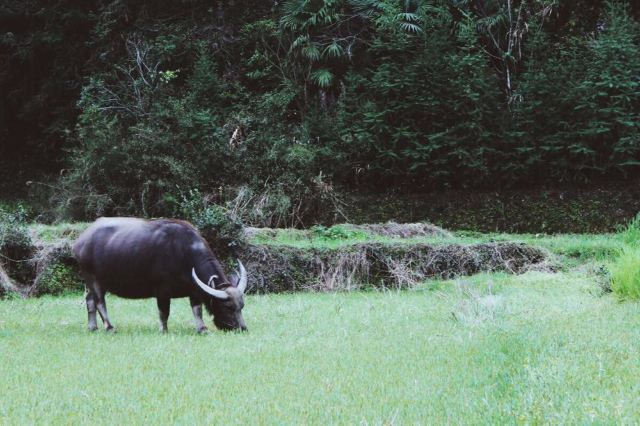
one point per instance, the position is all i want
(136, 258)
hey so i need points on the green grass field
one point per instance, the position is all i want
(529, 349)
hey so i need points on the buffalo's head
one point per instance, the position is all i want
(226, 303)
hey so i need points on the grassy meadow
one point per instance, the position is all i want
(493, 348)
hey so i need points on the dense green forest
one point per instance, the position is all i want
(153, 107)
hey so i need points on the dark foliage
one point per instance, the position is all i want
(137, 103)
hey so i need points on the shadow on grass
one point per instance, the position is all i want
(72, 328)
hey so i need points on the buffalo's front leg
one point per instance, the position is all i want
(164, 308)
(196, 308)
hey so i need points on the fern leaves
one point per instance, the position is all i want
(325, 32)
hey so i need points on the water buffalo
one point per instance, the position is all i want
(136, 258)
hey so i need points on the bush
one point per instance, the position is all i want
(13, 226)
(15, 243)
(287, 204)
(16, 250)
(625, 274)
(218, 225)
(59, 278)
(268, 208)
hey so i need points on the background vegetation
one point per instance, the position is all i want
(271, 107)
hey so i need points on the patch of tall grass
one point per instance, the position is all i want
(631, 234)
(625, 269)
(625, 274)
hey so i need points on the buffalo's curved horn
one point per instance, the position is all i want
(242, 284)
(218, 294)
(211, 282)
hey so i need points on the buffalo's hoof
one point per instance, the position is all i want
(92, 328)
(202, 330)
(110, 329)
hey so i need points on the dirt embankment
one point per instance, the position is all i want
(278, 268)
(49, 267)
(33, 267)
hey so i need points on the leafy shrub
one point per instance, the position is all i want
(15, 243)
(13, 226)
(137, 142)
(59, 278)
(218, 225)
(122, 168)
(268, 208)
(296, 203)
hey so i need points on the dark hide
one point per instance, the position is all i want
(135, 258)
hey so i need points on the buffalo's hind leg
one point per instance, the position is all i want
(102, 307)
(164, 308)
(90, 297)
(196, 308)
(95, 300)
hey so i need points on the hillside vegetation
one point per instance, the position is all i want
(129, 106)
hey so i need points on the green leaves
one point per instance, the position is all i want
(334, 50)
(311, 52)
(410, 27)
(322, 77)
(368, 7)
(409, 22)
(325, 33)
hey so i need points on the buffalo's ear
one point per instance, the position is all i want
(234, 279)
